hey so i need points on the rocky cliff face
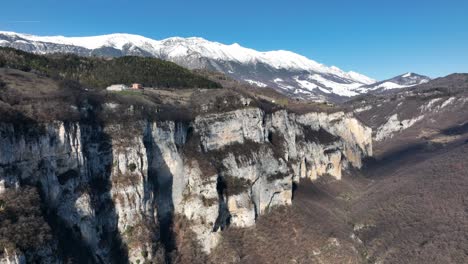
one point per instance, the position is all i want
(118, 191)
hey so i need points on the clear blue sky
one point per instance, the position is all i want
(377, 38)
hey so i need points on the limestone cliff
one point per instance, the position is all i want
(115, 190)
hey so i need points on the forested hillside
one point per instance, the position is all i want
(100, 73)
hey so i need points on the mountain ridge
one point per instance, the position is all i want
(287, 72)
(243, 64)
(405, 80)
(119, 40)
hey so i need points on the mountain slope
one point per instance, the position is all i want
(415, 211)
(401, 81)
(285, 71)
(429, 114)
(100, 73)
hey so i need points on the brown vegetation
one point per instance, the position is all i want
(407, 208)
(313, 230)
(22, 224)
(235, 185)
(321, 136)
(417, 211)
(188, 248)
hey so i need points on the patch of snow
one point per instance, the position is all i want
(286, 87)
(342, 89)
(429, 105)
(306, 84)
(389, 86)
(324, 90)
(361, 78)
(447, 102)
(257, 83)
(463, 100)
(407, 75)
(300, 91)
(362, 109)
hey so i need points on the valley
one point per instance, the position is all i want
(204, 167)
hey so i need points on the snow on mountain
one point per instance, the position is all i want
(406, 75)
(174, 47)
(113, 40)
(256, 83)
(401, 81)
(389, 86)
(360, 77)
(285, 71)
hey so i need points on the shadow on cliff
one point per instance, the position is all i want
(70, 246)
(97, 152)
(224, 216)
(161, 180)
(407, 155)
(93, 178)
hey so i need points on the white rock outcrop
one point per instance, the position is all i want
(394, 125)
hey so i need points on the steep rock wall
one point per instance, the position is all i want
(117, 188)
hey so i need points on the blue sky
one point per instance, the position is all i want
(378, 38)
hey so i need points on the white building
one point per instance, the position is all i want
(117, 87)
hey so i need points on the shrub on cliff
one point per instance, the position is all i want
(188, 248)
(235, 185)
(22, 225)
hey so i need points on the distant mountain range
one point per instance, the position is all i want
(401, 81)
(284, 71)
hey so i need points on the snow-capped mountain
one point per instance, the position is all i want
(401, 81)
(285, 71)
